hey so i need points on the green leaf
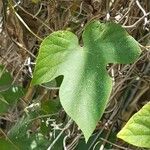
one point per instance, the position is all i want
(5, 79)
(50, 106)
(7, 145)
(10, 97)
(9, 94)
(137, 129)
(23, 139)
(86, 85)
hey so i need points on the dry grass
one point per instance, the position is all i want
(25, 24)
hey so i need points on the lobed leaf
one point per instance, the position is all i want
(86, 85)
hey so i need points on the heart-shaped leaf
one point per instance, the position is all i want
(86, 86)
(137, 129)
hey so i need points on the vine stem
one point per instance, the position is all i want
(66, 127)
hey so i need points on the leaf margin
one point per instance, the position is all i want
(125, 131)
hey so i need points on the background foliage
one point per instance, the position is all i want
(24, 24)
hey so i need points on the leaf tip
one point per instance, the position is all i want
(119, 135)
(87, 135)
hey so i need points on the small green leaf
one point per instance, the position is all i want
(10, 97)
(86, 85)
(137, 129)
(5, 79)
(9, 94)
(50, 106)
